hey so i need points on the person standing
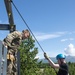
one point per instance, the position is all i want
(12, 42)
(61, 65)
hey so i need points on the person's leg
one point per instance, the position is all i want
(9, 67)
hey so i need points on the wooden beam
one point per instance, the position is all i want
(7, 27)
(9, 11)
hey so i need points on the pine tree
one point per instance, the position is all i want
(28, 63)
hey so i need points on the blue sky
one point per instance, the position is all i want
(51, 21)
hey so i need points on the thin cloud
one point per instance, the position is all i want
(47, 36)
(69, 39)
(64, 40)
(70, 50)
(73, 32)
(44, 36)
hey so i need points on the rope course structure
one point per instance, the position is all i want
(30, 30)
(11, 27)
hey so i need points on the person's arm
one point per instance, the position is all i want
(51, 62)
(10, 37)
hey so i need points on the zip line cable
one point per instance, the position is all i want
(27, 26)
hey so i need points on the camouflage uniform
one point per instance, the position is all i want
(12, 41)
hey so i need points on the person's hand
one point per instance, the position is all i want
(46, 56)
(4, 44)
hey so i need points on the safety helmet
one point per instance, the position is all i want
(60, 56)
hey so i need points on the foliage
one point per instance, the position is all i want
(71, 68)
(50, 71)
(28, 63)
(30, 66)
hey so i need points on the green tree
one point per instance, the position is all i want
(28, 63)
(71, 68)
(49, 71)
(46, 69)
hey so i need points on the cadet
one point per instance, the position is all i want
(12, 42)
(62, 66)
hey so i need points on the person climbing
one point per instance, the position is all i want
(12, 42)
(62, 65)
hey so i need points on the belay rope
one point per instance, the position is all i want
(30, 30)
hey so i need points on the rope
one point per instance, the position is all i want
(27, 26)
(29, 29)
